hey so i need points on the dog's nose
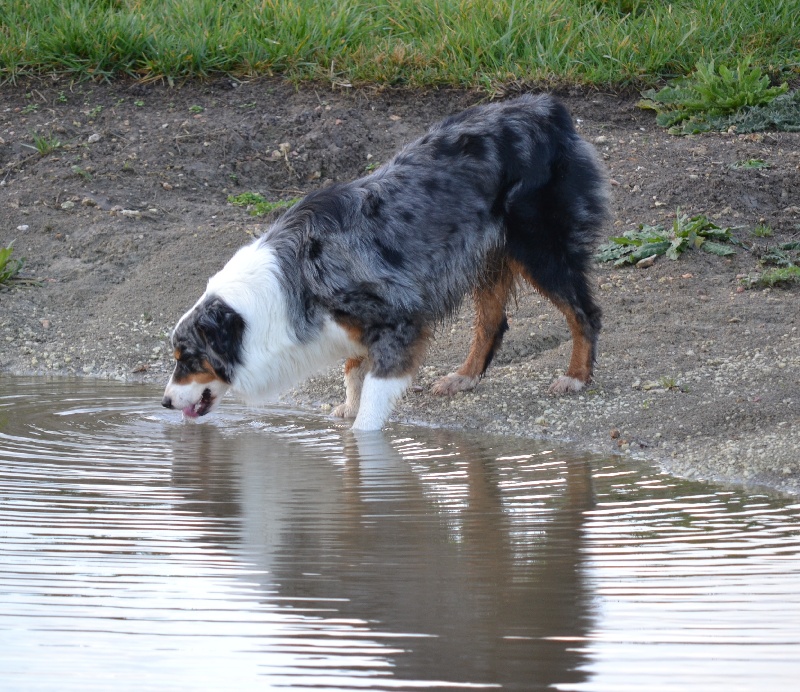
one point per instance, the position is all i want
(166, 402)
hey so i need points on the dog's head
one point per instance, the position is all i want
(207, 343)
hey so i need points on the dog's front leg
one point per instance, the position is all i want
(378, 396)
(354, 371)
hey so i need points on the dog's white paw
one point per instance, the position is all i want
(452, 383)
(345, 411)
(566, 385)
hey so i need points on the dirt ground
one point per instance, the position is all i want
(123, 222)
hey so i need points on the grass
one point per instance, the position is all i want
(81, 173)
(761, 230)
(780, 276)
(258, 205)
(45, 144)
(10, 266)
(459, 42)
(781, 267)
(750, 165)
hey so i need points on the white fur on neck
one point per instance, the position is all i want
(273, 359)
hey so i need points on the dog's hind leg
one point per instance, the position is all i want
(354, 371)
(489, 326)
(568, 289)
(584, 328)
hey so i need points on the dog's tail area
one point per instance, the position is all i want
(552, 227)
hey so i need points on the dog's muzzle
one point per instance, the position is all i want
(191, 401)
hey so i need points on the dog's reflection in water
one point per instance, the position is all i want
(414, 531)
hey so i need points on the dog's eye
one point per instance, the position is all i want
(183, 356)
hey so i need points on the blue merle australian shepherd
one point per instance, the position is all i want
(364, 271)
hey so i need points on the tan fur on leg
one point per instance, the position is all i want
(488, 327)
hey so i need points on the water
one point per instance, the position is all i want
(266, 550)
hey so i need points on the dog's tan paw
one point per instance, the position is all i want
(566, 385)
(452, 383)
(345, 411)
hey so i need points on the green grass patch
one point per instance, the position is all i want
(45, 144)
(10, 267)
(750, 165)
(782, 267)
(461, 42)
(258, 205)
(781, 276)
(761, 230)
(687, 233)
(711, 96)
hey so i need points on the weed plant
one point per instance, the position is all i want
(783, 255)
(761, 230)
(710, 96)
(463, 42)
(782, 114)
(686, 233)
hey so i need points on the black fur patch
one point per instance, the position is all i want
(498, 340)
(390, 255)
(212, 333)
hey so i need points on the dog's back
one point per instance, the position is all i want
(510, 179)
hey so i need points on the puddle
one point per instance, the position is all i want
(267, 550)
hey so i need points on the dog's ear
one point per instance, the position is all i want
(222, 329)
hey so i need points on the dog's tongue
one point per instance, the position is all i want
(190, 412)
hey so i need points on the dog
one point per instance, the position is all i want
(363, 272)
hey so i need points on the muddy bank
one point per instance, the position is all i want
(126, 217)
